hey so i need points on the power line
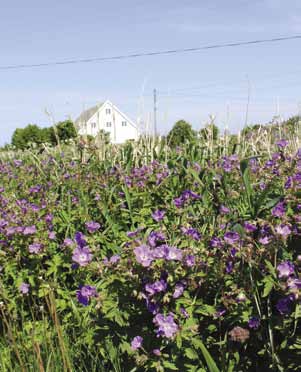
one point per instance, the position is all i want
(149, 54)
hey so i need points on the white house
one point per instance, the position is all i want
(108, 117)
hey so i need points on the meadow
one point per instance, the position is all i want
(143, 257)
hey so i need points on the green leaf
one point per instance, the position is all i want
(179, 341)
(268, 285)
(170, 365)
(271, 268)
(208, 358)
(191, 354)
(245, 171)
(270, 204)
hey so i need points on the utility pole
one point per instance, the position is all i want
(155, 112)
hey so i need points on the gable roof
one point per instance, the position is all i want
(87, 114)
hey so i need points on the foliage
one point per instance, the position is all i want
(62, 131)
(209, 133)
(195, 250)
(24, 138)
(181, 133)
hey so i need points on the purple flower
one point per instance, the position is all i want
(48, 218)
(178, 202)
(161, 251)
(270, 164)
(216, 242)
(158, 215)
(190, 231)
(284, 304)
(233, 252)
(29, 230)
(24, 288)
(84, 294)
(224, 210)
(227, 166)
(136, 343)
(156, 287)
(68, 242)
(92, 226)
(155, 237)
(249, 227)
(254, 322)
(152, 307)
(35, 189)
(166, 325)
(231, 237)
(132, 234)
(114, 259)
(82, 256)
(179, 289)
(278, 210)
(282, 143)
(173, 254)
(35, 248)
(294, 284)
(185, 196)
(283, 230)
(184, 312)
(144, 255)
(17, 162)
(229, 267)
(157, 352)
(190, 260)
(3, 223)
(188, 194)
(288, 183)
(220, 313)
(265, 240)
(285, 269)
(80, 239)
(51, 235)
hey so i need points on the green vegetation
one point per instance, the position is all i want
(152, 256)
(180, 134)
(32, 134)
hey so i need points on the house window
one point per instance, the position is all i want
(93, 125)
(108, 111)
(123, 123)
(109, 124)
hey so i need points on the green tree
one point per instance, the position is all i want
(292, 124)
(18, 139)
(181, 133)
(23, 138)
(209, 132)
(46, 134)
(63, 131)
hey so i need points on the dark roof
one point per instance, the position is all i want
(87, 114)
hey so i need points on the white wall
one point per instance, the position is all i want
(100, 120)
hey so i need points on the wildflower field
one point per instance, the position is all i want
(151, 259)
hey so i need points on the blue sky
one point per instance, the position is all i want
(190, 86)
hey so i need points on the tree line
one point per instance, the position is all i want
(23, 138)
(182, 132)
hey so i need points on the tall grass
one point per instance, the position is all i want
(45, 344)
